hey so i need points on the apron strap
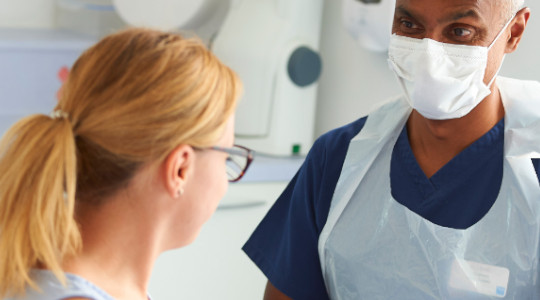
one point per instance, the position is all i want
(381, 126)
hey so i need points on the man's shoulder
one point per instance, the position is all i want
(344, 134)
(513, 85)
(517, 81)
(341, 136)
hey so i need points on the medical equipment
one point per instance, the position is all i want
(369, 22)
(165, 14)
(276, 57)
(87, 17)
(271, 44)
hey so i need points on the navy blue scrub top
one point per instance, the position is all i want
(284, 245)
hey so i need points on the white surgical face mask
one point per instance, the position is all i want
(441, 81)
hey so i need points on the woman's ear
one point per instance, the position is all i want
(178, 169)
(517, 29)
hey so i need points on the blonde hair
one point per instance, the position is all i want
(130, 99)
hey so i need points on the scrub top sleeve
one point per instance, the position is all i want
(536, 164)
(284, 245)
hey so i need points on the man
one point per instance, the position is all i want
(433, 196)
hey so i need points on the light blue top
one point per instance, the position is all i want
(52, 289)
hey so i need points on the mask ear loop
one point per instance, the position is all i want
(504, 56)
(501, 32)
(496, 73)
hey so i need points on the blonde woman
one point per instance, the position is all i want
(132, 162)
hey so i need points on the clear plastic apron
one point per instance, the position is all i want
(372, 247)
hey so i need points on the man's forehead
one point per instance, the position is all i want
(455, 9)
(463, 4)
(472, 3)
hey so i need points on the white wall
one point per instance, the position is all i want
(354, 81)
(27, 13)
(525, 62)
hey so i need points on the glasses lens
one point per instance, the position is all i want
(236, 163)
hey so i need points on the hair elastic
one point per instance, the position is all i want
(58, 114)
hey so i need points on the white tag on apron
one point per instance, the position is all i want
(479, 278)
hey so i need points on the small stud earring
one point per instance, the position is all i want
(180, 192)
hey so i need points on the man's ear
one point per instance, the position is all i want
(178, 169)
(517, 28)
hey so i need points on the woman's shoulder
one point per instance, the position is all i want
(49, 287)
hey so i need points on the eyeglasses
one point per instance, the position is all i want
(238, 161)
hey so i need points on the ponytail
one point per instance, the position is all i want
(37, 200)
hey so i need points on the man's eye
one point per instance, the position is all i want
(462, 32)
(408, 24)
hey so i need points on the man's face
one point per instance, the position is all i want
(464, 22)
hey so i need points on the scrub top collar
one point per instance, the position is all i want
(446, 190)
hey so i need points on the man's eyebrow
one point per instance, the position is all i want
(404, 11)
(471, 13)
